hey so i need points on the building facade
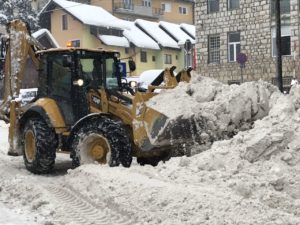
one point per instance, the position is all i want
(225, 28)
(175, 11)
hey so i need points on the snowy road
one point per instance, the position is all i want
(252, 178)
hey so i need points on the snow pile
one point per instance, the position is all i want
(219, 111)
(252, 178)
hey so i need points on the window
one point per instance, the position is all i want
(233, 4)
(285, 41)
(93, 30)
(214, 49)
(153, 58)
(126, 50)
(285, 6)
(111, 79)
(146, 3)
(213, 6)
(75, 43)
(143, 56)
(168, 59)
(166, 7)
(234, 46)
(176, 57)
(110, 31)
(128, 4)
(65, 22)
(182, 10)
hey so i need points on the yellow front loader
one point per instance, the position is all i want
(82, 106)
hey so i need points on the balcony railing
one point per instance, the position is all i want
(121, 7)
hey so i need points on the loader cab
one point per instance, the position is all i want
(68, 76)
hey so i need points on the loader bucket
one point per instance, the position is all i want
(175, 131)
(154, 130)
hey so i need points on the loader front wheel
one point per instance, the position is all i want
(39, 146)
(101, 140)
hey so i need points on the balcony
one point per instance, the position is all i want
(137, 10)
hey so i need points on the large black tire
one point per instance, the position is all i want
(116, 140)
(44, 142)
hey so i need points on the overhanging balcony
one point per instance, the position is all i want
(137, 10)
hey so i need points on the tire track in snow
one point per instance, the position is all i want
(81, 210)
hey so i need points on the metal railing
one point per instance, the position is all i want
(123, 7)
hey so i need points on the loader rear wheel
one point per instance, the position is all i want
(39, 146)
(101, 140)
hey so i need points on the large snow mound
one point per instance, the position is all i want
(220, 111)
(252, 178)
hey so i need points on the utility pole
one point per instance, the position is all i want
(278, 46)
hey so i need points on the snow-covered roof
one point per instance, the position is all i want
(3, 16)
(138, 37)
(153, 29)
(175, 31)
(114, 40)
(190, 29)
(43, 32)
(88, 14)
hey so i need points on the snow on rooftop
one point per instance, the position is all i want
(153, 29)
(175, 30)
(190, 29)
(90, 15)
(42, 32)
(138, 37)
(114, 41)
(3, 16)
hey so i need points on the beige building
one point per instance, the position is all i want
(175, 11)
(151, 45)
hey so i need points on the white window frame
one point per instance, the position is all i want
(183, 10)
(166, 7)
(214, 54)
(285, 32)
(168, 59)
(147, 3)
(234, 44)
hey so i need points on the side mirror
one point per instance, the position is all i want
(132, 66)
(67, 61)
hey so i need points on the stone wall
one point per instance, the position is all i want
(254, 21)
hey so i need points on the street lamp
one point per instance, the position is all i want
(278, 46)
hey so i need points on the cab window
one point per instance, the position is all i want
(111, 79)
(59, 77)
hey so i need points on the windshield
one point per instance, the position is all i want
(94, 68)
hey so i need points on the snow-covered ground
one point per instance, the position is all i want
(250, 178)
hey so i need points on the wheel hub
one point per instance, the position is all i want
(97, 148)
(30, 147)
(97, 151)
